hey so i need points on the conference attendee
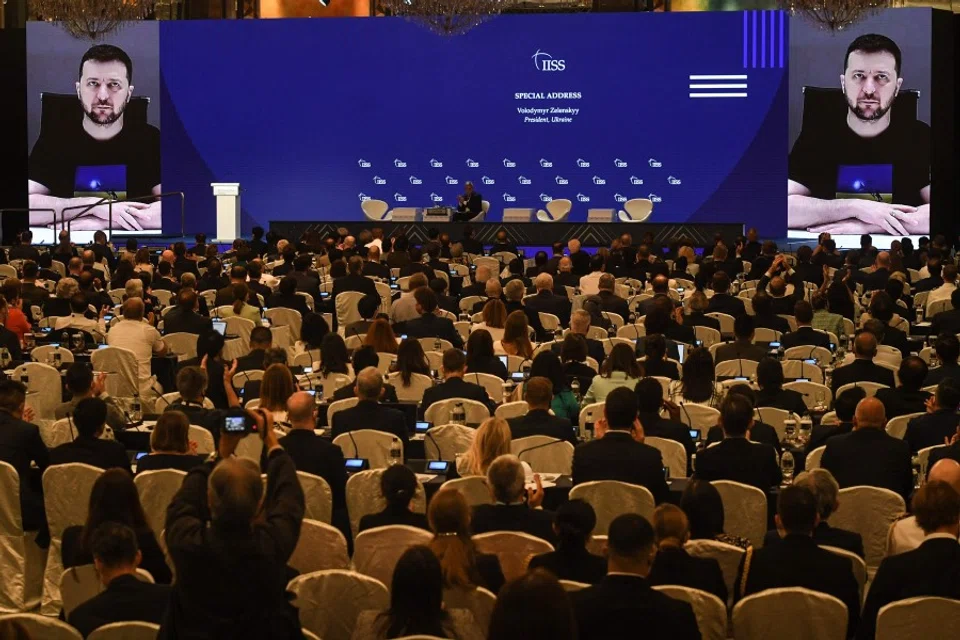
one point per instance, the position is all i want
(947, 321)
(573, 355)
(261, 339)
(164, 280)
(363, 357)
(877, 279)
(580, 325)
(565, 277)
(590, 283)
(736, 458)
(240, 307)
(213, 278)
(804, 335)
(170, 445)
(720, 262)
(287, 297)
(905, 534)
(192, 385)
(703, 507)
(698, 383)
(827, 492)
(619, 370)
(491, 441)
(504, 244)
(462, 566)
(698, 304)
(845, 406)
(515, 272)
(722, 301)
(454, 385)
(545, 301)
(880, 324)
(579, 259)
(59, 304)
(429, 324)
(945, 290)
(398, 485)
(908, 397)
(533, 607)
(573, 524)
(515, 508)
(444, 302)
(797, 561)
(940, 422)
(862, 369)
(369, 413)
(80, 382)
(624, 602)
(480, 352)
(649, 403)
(238, 275)
(661, 289)
(869, 456)
(742, 348)
(609, 301)
(564, 404)
(478, 286)
(30, 291)
(89, 419)
(764, 316)
(772, 394)
(618, 452)
(538, 394)
(673, 565)
(133, 334)
(947, 347)
(492, 290)
(823, 318)
(21, 447)
(514, 291)
(655, 362)
(354, 280)
(784, 289)
(117, 555)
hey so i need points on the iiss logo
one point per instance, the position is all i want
(435, 198)
(672, 180)
(487, 180)
(415, 180)
(436, 164)
(543, 61)
(509, 198)
(598, 180)
(452, 180)
(546, 164)
(582, 198)
(473, 164)
(656, 164)
(635, 180)
(561, 180)
(399, 164)
(364, 164)
(364, 197)
(524, 180)
(583, 164)
(399, 197)
(508, 163)
(378, 180)
(654, 198)
(620, 164)
(545, 198)
(619, 198)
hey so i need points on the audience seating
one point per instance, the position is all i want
(45, 353)
(918, 618)
(673, 453)
(181, 343)
(474, 489)
(801, 369)
(320, 547)
(923, 457)
(330, 601)
(610, 498)
(698, 416)
(736, 368)
(385, 362)
(544, 454)
(156, 489)
(339, 405)
(806, 352)
(442, 412)
(811, 389)
(707, 335)
(728, 556)
(711, 612)
(791, 613)
(509, 410)
(491, 383)
(43, 378)
(762, 334)
(203, 438)
(814, 457)
(869, 511)
(363, 497)
(79, 584)
(243, 377)
(133, 630)
(478, 601)
(42, 626)
(869, 387)
(446, 441)
(281, 316)
(776, 418)
(897, 427)
(333, 382)
(745, 510)
(859, 567)
(376, 551)
(573, 585)
(317, 496)
(418, 384)
(514, 549)
(20, 558)
(123, 364)
(370, 444)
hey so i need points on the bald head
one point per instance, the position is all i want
(573, 246)
(883, 260)
(300, 411)
(566, 265)
(865, 345)
(660, 284)
(870, 415)
(482, 274)
(234, 492)
(946, 470)
(167, 256)
(778, 286)
(133, 309)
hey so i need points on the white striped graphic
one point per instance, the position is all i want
(715, 77)
(718, 95)
(718, 86)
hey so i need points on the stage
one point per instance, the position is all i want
(539, 234)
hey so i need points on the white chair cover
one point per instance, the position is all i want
(13, 542)
(385, 362)
(430, 344)
(673, 453)
(763, 334)
(856, 562)
(283, 317)
(363, 497)
(811, 389)
(473, 488)
(918, 618)
(745, 510)
(376, 551)
(544, 454)
(869, 511)
(869, 387)
(347, 311)
(611, 498)
(477, 601)
(442, 412)
(814, 457)
(708, 335)
(339, 405)
(514, 550)
(77, 585)
(250, 447)
(370, 444)
(167, 399)
(45, 353)
(726, 322)
(775, 418)
(790, 614)
(156, 490)
(419, 383)
(589, 415)
(203, 438)
(181, 343)
(66, 496)
(711, 612)
(45, 627)
(317, 496)
(732, 368)
(444, 442)
(806, 352)
(56, 433)
(492, 384)
(43, 379)
(728, 556)
(698, 416)
(573, 585)
(923, 458)
(509, 410)
(243, 377)
(131, 630)
(122, 363)
(320, 547)
(897, 427)
(330, 601)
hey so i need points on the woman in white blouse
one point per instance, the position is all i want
(494, 319)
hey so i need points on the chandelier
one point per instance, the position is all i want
(445, 17)
(834, 15)
(91, 19)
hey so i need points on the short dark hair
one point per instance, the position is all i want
(936, 504)
(948, 347)
(261, 335)
(770, 373)
(114, 544)
(107, 53)
(288, 285)
(454, 360)
(721, 282)
(12, 394)
(762, 303)
(948, 393)
(79, 377)
(630, 535)
(364, 357)
(574, 348)
(736, 412)
(874, 43)
(743, 326)
(913, 371)
(797, 508)
(78, 303)
(846, 403)
(238, 272)
(426, 298)
(538, 391)
(89, 416)
(803, 312)
(649, 395)
(30, 269)
(620, 408)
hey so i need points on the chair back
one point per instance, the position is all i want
(446, 441)
(320, 547)
(339, 405)
(814, 457)
(45, 353)
(376, 551)
(514, 549)
(589, 415)
(492, 384)
(776, 418)
(203, 438)
(698, 416)
(333, 381)
(869, 387)
(811, 390)
(805, 352)
(168, 399)
(728, 556)
(897, 427)
(549, 321)
(922, 617)
(442, 412)
(347, 310)
(857, 564)
(869, 511)
(243, 377)
(733, 368)
(370, 444)
(43, 378)
(42, 626)
(430, 344)
(801, 369)
(56, 433)
(283, 317)
(923, 458)
(77, 585)
(474, 489)
(708, 335)
(611, 498)
(129, 630)
(572, 585)
(763, 334)
(317, 496)
(330, 601)
(123, 364)
(673, 453)
(385, 362)
(745, 510)
(509, 410)
(419, 383)
(811, 614)
(156, 490)
(544, 454)
(711, 612)
(477, 601)
(725, 320)
(13, 550)
(181, 343)
(364, 497)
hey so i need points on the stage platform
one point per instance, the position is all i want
(539, 234)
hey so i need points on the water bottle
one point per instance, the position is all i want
(57, 358)
(850, 344)
(806, 428)
(575, 388)
(693, 463)
(4, 357)
(919, 314)
(841, 351)
(790, 430)
(396, 453)
(507, 391)
(65, 340)
(136, 412)
(459, 414)
(612, 331)
(828, 377)
(786, 467)
(558, 335)
(436, 344)
(780, 352)
(934, 360)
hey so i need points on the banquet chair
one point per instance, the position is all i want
(573, 585)
(376, 551)
(736, 368)
(478, 601)
(129, 630)
(710, 611)
(181, 343)
(442, 411)
(869, 511)
(728, 556)
(22, 559)
(590, 414)
(810, 391)
(42, 626)
(447, 441)
(673, 453)
(814, 457)
(513, 548)
(492, 384)
(330, 601)
(80, 583)
(281, 316)
(337, 406)
(203, 438)
(858, 566)
(611, 498)
(347, 311)
(870, 388)
(811, 614)
(544, 454)
(776, 419)
(42, 379)
(122, 363)
(474, 489)
(917, 618)
(320, 546)
(509, 410)
(801, 369)
(419, 383)
(371, 444)
(897, 427)
(363, 497)
(317, 496)
(386, 362)
(745, 508)
(156, 489)
(698, 416)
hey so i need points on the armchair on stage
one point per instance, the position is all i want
(557, 211)
(636, 210)
(376, 210)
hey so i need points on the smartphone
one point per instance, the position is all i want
(812, 361)
(403, 336)
(802, 380)
(394, 286)
(519, 376)
(102, 346)
(438, 466)
(354, 464)
(742, 378)
(422, 427)
(774, 345)
(832, 347)
(108, 318)
(235, 424)
(695, 434)
(46, 329)
(266, 322)
(308, 369)
(324, 294)
(140, 454)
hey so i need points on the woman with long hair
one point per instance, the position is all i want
(411, 359)
(573, 524)
(142, 261)
(398, 486)
(334, 357)
(114, 498)
(565, 405)
(516, 337)
(380, 336)
(275, 389)
(480, 356)
(416, 604)
(704, 508)
(462, 566)
(620, 369)
(699, 382)
(491, 441)
(170, 446)
(573, 355)
(240, 306)
(656, 363)
(312, 332)
(494, 319)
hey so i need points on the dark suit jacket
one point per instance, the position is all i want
(945, 321)
(125, 598)
(725, 303)
(870, 457)
(455, 388)
(896, 338)
(20, 444)
(185, 265)
(376, 269)
(798, 562)
(575, 564)
(177, 321)
(390, 516)
(657, 427)
(56, 307)
(680, 333)
(622, 607)
(760, 432)
(805, 336)
(675, 566)
(581, 263)
(663, 368)
(876, 280)
(513, 517)
(547, 302)
(786, 399)
(292, 301)
(433, 326)
(823, 432)
(363, 284)
(165, 284)
(861, 371)
(370, 415)
(212, 281)
(487, 364)
(33, 295)
(741, 351)
(612, 303)
(740, 460)
(772, 321)
(539, 422)
(899, 402)
(617, 456)
(225, 297)
(701, 320)
(594, 350)
(104, 454)
(932, 569)
(952, 452)
(159, 461)
(251, 361)
(930, 430)
(74, 555)
(316, 455)
(825, 535)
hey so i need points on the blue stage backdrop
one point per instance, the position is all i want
(313, 116)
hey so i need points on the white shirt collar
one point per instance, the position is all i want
(934, 536)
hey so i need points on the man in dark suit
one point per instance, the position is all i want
(862, 369)
(181, 263)
(261, 339)
(287, 297)
(21, 445)
(673, 564)
(947, 347)
(806, 269)
(932, 569)
(579, 259)
(116, 556)
(869, 455)
(254, 273)
(697, 316)
(369, 413)
(941, 420)
(184, 318)
(623, 604)
(908, 397)
(373, 266)
(934, 280)
(257, 245)
(609, 301)
(616, 454)
(797, 561)
(444, 302)
(877, 279)
(805, 335)
(735, 457)
(764, 316)
(429, 324)
(722, 301)
(307, 279)
(89, 419)
(213, 278)
(947, 321)
(565, 277)
(29, 291)
(504, 243)
(742, 348)
(538, 392)
(827, 492)
(165, 280)
(546, 301)
(354, 280)
(720, 262)
(238, 275)
(845, 407)
(882, 308)
(453, 385)
(469, 243)
(506, 479)
(649, 402)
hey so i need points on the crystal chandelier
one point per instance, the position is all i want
(91, 19)
(834, 15)
(444, 17)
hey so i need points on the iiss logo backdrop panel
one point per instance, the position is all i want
(688, 110)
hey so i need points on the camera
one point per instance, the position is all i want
(239, 421)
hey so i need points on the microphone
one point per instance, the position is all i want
(430, 437)
(539, 446)
(356, 449)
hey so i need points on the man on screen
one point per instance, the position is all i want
(469, 204)
(100, 155)
(870, 173)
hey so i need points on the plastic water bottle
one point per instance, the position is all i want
(828, 377)
(806, 428)
(919, 314)
(136, 409)
(575, 388)
(57, 358)
(459, 414)
(612, 331)
(790, 430)
(396, 453)
(4, 357)
(65, 340)
(436, 344)
(786, 467)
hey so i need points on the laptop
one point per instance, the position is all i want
(220, 326)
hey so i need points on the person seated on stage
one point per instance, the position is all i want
(469, 204)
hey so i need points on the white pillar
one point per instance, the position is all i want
(228, 211)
